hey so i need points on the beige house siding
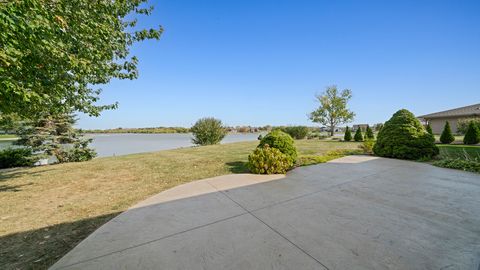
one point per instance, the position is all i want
(437, 124)
(437, 120)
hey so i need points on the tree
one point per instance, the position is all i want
(472, 136)
(208, 131)
(50, 135)
(369, 134)
(53, 53)
(447, 136)
(333, 109)
(9, 123)
(358, 137)
(403, 136)
(348, 135)
(429, 129)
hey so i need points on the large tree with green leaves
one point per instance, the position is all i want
(53, 53)
(333, 109)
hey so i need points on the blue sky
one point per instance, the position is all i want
(261, 62)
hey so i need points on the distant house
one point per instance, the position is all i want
(437, 120)
(363, 127)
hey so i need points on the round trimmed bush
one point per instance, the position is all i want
(447, 136)
(404, 137)
(472, 136)
(358, 137)
(281, 141)
(268, 160)
(348, 135)
(207, 131)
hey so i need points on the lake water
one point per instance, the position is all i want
(122, 144)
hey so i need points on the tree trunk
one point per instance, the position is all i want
(332, 130)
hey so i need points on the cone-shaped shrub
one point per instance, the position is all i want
(472, 136)
(429, 129)
(358, 135)
(369, 134)
(447, 136)
(348, 135)
(404, 137)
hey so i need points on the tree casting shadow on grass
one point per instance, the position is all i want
(237, 167)
(9, 174)
(41, 248)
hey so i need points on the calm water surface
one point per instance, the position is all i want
(108, 145)
(123, 144)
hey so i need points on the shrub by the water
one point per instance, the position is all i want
(472, 136)
(16, 157)
(404, 137)
(369, 134)
(207, 131)
(348, 135)
(358, 137)
(447, 136)
(78, 153)
(268, 160)
(296, 132)
(281, 141)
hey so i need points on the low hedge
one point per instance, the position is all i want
(459, 164)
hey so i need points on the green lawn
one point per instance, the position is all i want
(458, 138)
(7, 137)
(468, 152)
(46, 211)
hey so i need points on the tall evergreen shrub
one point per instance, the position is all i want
(348, 135)
(447, 136)
(358, 135)
(472, 136)
(369, 134)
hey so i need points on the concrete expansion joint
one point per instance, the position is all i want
(270, 227)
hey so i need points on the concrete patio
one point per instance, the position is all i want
(356, 212)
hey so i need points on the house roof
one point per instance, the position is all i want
(472, 110)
